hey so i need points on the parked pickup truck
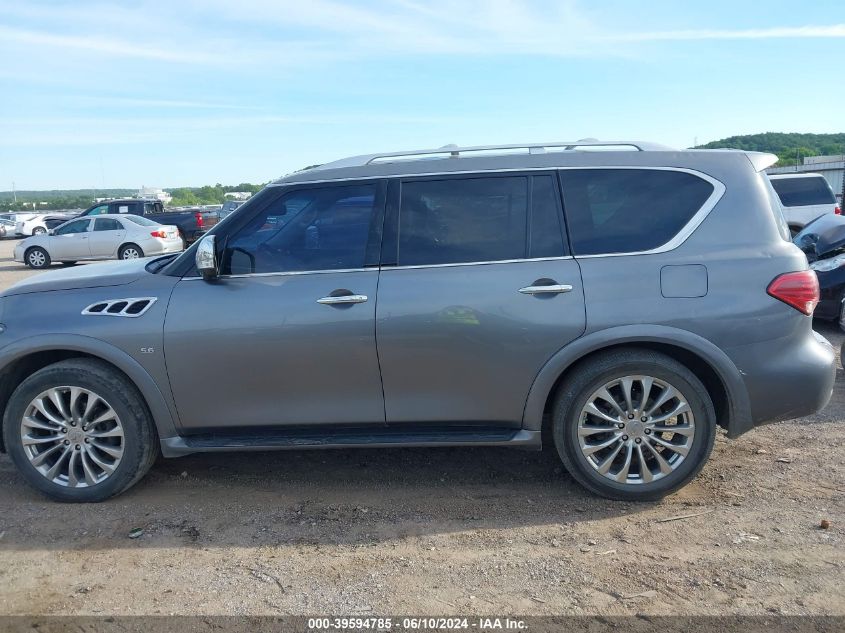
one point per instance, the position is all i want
(191, 224)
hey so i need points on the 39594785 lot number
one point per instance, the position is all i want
(388, 624)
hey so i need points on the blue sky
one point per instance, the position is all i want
(194, 92)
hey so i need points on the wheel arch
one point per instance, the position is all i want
(125, 244)
(710, 364)
(22, 359)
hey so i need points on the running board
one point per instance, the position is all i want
(349, 438)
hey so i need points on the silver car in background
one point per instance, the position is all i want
(107, 236)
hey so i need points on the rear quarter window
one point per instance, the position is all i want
(802, 192)
(629, 210)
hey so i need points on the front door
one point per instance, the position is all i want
(286, 335)
(70, 241)
(479, 292)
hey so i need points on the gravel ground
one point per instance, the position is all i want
(439, 531)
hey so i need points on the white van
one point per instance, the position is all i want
(804, 198)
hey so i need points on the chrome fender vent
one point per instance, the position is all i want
(133, 307)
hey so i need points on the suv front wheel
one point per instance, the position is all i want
(633, 425)
(79, 431)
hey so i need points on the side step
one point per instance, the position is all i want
(378, 437)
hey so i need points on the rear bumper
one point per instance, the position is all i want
(160, 248)
(786, 378)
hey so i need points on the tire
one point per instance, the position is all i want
(36, 257)
(184, 241)
(39, 230)
(639, 481)
(138, 442)
(68, 263)
(842, 314)
(130, 251)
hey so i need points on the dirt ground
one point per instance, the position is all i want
(439, 531)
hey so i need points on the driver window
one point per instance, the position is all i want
(324, 228)
(80, 226)
(103, 208)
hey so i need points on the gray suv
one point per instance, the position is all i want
(617, 305)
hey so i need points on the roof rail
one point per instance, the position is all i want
(454, 151)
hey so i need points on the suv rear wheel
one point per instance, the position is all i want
(79, 431)
(633, 425)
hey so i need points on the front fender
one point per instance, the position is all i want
(163, 416)
(739, 405)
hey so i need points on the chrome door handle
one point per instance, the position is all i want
(342, 299)
(539, 290)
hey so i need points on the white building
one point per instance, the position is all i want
(153, 192)
(831, 167)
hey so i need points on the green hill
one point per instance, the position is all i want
(788, 146)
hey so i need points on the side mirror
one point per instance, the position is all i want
(206, 258)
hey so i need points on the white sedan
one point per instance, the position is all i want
(31, 225)
(106, 236)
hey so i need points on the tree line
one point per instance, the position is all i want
(790, 148)
(83, 198)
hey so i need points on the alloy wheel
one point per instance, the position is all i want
(72, 436)
(636, 429)
(130, 253)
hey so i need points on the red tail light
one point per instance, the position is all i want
(198, 216)
(158, 233)
(837, 211)
(800, 290)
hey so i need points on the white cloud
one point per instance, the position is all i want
(797, 32)
(101, 45)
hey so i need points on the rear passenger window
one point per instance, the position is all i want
(107, 224)
(803, 191)
(462, 220)
(628, 210)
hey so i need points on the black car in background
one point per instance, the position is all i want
(823, 241)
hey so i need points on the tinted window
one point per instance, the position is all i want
(103, 208)
(152, 207)
(797, 192)
(628, 210)
(107, 224)
(312, 229)
(462, 220)
(79, 226)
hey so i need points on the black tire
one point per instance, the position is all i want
(184, 241)
(126, 247)
(140, 443)
(589, 376)
(68, 263)
(33, 261)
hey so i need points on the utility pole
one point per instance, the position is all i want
(14, 193)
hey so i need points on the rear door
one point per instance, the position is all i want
(106, 238)
(477, 292)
